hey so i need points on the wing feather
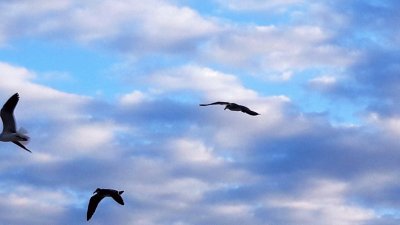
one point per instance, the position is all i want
(93, 202)
(7, 114)
(22, 146)
(215, 103)
(248, 111)
(117, 197)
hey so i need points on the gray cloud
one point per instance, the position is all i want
(372, 77)
(283, 168)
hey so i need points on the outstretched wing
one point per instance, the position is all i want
(22, 146)
(215, 103)
(93, 202)
(117, 197)
(248, 111)
(7, 114)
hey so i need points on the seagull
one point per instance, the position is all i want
(233, 107)
(10, 132)
(100, 194)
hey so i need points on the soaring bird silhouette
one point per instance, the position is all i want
(233, 107)
(100, 194)
(10, 133)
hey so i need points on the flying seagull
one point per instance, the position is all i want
(233, 107)
(10, 132)
(100, 194)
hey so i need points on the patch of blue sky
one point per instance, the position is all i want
(261, 18)
(150, 63)
(388, 212)
(339, 110)
(366, 39)
(205, 7)
(63, 66)
(272, 16)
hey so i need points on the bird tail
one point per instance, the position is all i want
(23, 135)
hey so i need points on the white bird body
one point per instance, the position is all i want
(9, 137)
(20, 135)
(10, 133)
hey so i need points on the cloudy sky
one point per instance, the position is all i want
(110, 92)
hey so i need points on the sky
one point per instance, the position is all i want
(110, 94)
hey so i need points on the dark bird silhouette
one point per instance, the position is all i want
(10, 133)
(100, 194)
(233, 107)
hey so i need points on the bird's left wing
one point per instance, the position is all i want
(93, 202)
(215, 103)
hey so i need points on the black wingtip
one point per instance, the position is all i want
(16, 95)
(22, 146)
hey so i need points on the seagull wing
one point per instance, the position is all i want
(7, 114)
(117, 197)
(21, 145)
(248, 111)
(215, 103)
(93, 202)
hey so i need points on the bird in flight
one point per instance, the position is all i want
(233, 107)
(100, 194)
(10, 133)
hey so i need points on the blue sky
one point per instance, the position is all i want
(109, 93)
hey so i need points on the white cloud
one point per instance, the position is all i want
(321, 202)
(39, 99)
(30, 204)
(130, 25)
(213, 84)
(323, 80)
(54, 118)
(390, 125)
(277, 49)
(191, 151)
(133, 98)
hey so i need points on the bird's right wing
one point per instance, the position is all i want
(117, 197)
(7, 114)
(215, 103)
(93, 202)
(248, 111)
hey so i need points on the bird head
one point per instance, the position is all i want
(97, 190)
